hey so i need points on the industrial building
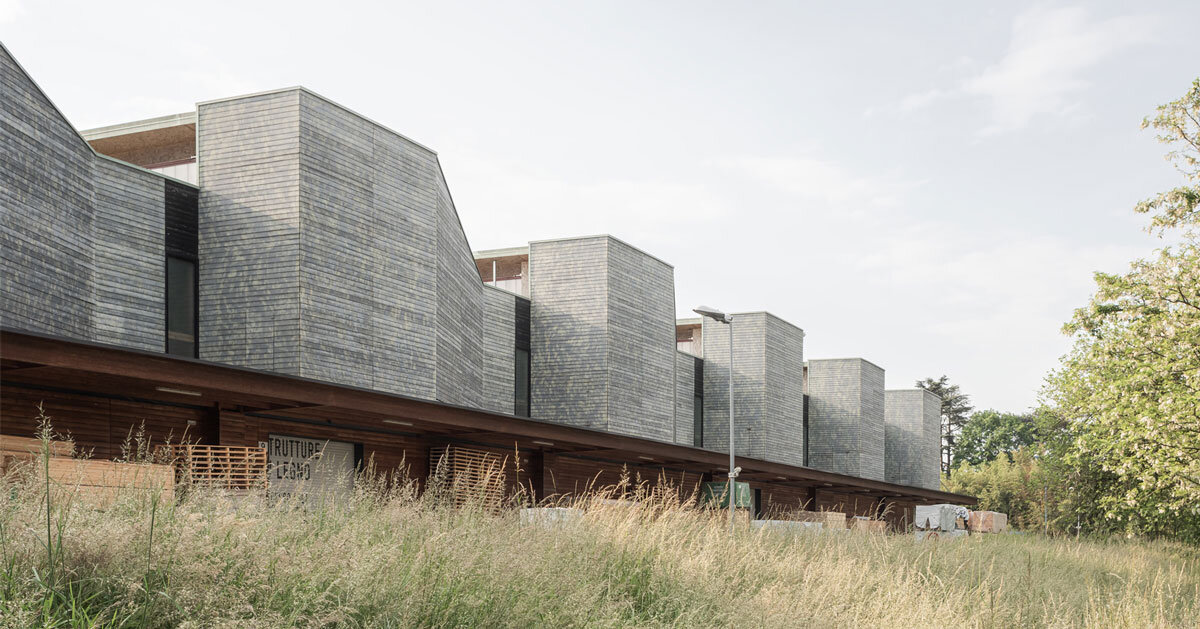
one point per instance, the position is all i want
(277, 269)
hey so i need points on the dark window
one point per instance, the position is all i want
(698, 403)
(521, 383)
(805, 429)
(181, 307)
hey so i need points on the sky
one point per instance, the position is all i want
(929, 186)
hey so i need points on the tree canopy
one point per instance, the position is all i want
(956, 410)
(989, 434)
(1129, 390)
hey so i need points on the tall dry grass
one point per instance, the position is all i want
(388, 557)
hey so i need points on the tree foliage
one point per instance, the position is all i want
(989, 434)
(956, 410)
(1129, 390)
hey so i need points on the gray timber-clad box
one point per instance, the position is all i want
(331, 250)
(499, 346)
(845, 417)
(913, 438)
(603, 336)
(685, 397)
(81, 235)
(768, 387)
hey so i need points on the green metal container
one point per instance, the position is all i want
(717, 494)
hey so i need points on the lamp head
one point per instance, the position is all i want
(712, 313)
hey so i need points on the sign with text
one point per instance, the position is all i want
(299, 466)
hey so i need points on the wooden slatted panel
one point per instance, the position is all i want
(472, 475)
(227, 467)
(101, 482)
(99, 426)
(28, 446)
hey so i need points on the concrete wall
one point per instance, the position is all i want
(603, 336)
(499, 343)
(768, 387)
(846, 417)
(81, 236)
(913, 440)
(331, 250)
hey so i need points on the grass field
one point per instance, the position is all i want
(388, 558)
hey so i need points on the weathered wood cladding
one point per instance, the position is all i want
(603, 337)
(248, 152)
(499, 346)
(768, 387)
(846, 417)
(685, 396)
(913, 442)
(641, 329)
(333, 251)
(569, 340)
(81, 236)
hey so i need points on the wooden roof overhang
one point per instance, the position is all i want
(38, 360)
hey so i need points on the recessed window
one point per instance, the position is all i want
(181, 307)
(521, 393)
(698, 421)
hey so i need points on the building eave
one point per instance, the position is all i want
(140, 371)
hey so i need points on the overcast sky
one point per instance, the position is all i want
(926, 185)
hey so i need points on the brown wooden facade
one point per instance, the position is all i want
(101, 394)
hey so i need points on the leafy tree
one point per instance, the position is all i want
(1130, 387)
(956, 409)
(988, 434)
(1038, 490)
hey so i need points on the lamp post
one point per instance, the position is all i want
(717, 315)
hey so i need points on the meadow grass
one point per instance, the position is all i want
(388, 557)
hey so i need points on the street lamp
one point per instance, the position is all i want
(717, 315)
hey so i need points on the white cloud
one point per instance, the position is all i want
(1044, 70)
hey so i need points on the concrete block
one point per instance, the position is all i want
(987, 522)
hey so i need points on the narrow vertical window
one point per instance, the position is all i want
(804, 435)
(181, 307)
(698, 421)
(521, 383)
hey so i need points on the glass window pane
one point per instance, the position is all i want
(521, 383)
(181, 307)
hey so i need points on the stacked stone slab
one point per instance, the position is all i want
(331, 250)
(846, 417)
(768, 387)
(81, 235)
(913, 438)
(603, 336)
